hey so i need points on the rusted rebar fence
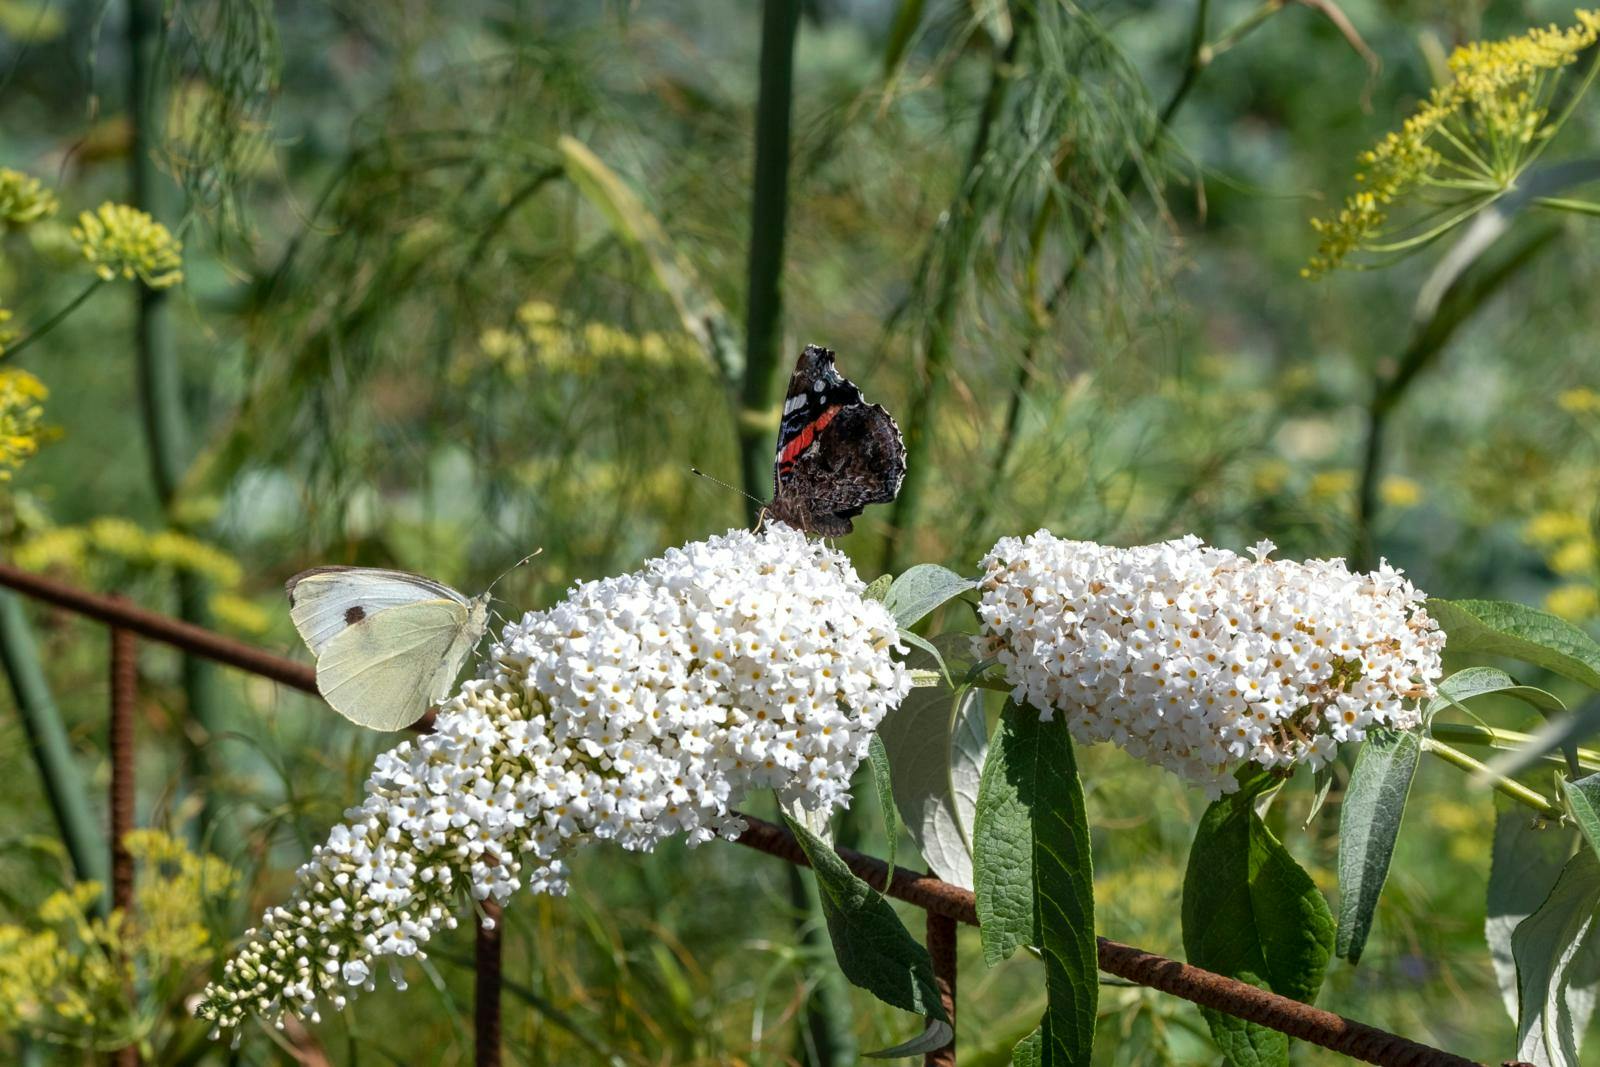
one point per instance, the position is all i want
(945, 904)
(124, 694)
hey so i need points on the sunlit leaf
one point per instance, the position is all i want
(1583, 802)
(937, 740)
(1369, 824)
(1485, 681)
(1526, 858)
(872, 945)
(921, 589)
(1251, 913)
(1557, 955)
(1502, 628)
(1034, 873)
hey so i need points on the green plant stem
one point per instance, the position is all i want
(769, 217)
(1507, 741)
(161, 386)
(54, 320)
(1428, 341)
(827, 1040)
(1508, 786)
(64, 785)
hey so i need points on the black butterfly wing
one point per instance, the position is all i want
(815, 389)
(856, 457)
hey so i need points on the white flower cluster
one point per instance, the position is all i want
(1193, 658)
(638, 708)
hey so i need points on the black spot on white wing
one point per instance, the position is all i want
(354, 614)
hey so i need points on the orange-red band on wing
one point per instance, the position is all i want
(803, 439)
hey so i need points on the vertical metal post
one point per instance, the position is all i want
(124, 693)
(942, 947)
(486, 1006)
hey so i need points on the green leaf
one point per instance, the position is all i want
(1003, 844)
(878, 588)
(921, 589)
(906, 21)
(1483, 681)
(935, 1036)
(1030, 1050)
(1034, 873)
(1251, 913)
(1369, 823)
(878, 757)
(1322, 783)
(1501, 628)
(920, 642)
(701, 314)
(1583, 802)
(937, 740)
(1557, 954)
(1525, 861)
(872, 945)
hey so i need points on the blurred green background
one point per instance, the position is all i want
(408, 336)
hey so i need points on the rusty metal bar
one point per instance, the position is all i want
(942, 948)
(1210, 990)
(124, 694)
(486, 1005)
(169, 631)
(936, 897)
(162, 628)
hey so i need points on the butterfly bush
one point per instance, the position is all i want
(638, 708)
(1194, 658)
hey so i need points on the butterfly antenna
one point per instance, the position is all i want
(513, 567)
(731, 488)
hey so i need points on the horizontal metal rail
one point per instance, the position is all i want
(939, 898)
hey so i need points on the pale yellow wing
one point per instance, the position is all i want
(387, 669)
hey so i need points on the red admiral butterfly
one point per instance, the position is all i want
(836, 452)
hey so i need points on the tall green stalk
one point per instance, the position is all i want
(64, 785)
(769, 219)
(827, 1040)
(160, 374)
(1393, 380)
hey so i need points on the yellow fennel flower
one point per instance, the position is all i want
(23, 199)
(1577, 603)
(1398, 492)
(1465, 145)
(1553, 527)
(120, 240)
(21, 414)
(1581, 401)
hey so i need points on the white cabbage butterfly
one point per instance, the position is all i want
(389, 644)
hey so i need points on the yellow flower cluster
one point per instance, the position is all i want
(67, 973)
(21, 417)
(1469, 140)
(72, 547)
(1582, 401)
(121, 240)
(24, 199)
(551, 341)
(1567, 541)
